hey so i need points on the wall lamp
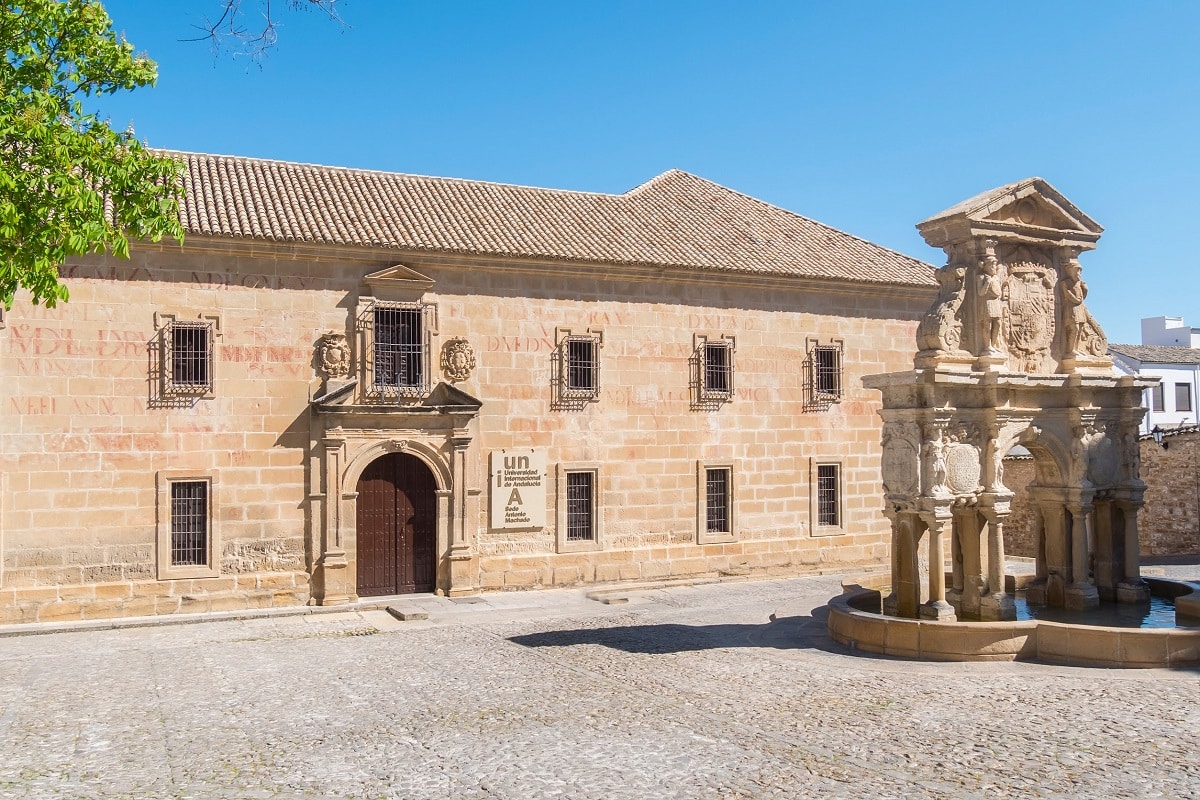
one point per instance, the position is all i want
(1157, 433)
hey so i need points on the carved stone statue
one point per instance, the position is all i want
(935, 459)
(990, 290)
(333, 355)
(1133, 454)
(458, 360)
(1072, 291)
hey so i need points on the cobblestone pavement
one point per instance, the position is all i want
(720, 691)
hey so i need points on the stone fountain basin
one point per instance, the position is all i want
(853, 623)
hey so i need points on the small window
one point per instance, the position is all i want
(583, 366)
(717, 505)
(579, 519)
(828, 499)
(189, 523)
(581, 526)
(715, 516)
(187, 541)
(400, 349)
(187, 357)
(1156, 397)
(1183, 397)
(823, 375)
(577, 374)
(717, 370)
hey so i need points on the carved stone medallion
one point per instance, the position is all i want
(962, 468)
(458, 360)
(900, 467)
(333, 355)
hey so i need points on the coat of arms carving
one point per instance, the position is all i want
(333, 355)
(458, 360)
(1030, 291)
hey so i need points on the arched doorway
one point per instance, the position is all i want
(396, 527)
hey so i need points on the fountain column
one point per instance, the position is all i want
(1132, 589)
(996, 604)
(968, 528)
(1105, 570)
(1081, 595)
(937, 608)
(1035, 592)
(1053, 568)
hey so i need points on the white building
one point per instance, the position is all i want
(1170, 351)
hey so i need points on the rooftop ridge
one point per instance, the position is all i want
(417, 175)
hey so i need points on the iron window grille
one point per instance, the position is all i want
(717, 496)
(823, 376)
(716, 370)
(581, 506)
(580, 378)
(189, 523)
(188, 357)
(400, 349)
(828, 496)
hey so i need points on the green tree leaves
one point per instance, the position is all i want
(69, 183)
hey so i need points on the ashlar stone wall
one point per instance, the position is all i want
(86, 437)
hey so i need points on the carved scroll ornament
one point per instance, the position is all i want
(941, 327)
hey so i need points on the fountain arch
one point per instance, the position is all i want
(1009, 354)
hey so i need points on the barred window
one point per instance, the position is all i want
(717, 369)
(581, 506)
(401, 348)
(583, 367)
(828, 496)
(823, 375)
(188, 357)
(189, 523)
(717, 500)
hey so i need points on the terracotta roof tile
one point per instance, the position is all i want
(675, 219)
(1157, 354)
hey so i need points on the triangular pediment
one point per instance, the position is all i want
(1035, 203)
(399, 276)
(1031, 209)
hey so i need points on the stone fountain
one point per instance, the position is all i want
(1009, 355)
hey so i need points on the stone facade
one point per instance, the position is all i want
(279, 429)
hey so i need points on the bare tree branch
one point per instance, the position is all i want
(251, 29)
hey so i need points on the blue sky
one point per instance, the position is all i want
(868, 116)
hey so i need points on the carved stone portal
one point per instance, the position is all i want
(1009, 354)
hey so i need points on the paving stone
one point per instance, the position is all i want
(717, 691)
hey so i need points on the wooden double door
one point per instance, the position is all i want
(396, 527)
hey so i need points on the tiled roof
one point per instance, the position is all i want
(1157, 354)
(676, 219)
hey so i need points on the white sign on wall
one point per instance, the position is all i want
(518, 496)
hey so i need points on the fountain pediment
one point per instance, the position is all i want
(1028, 210)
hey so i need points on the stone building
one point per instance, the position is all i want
(348, 383)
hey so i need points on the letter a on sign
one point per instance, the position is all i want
(514, 499)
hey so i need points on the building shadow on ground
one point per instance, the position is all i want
(800, 632)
